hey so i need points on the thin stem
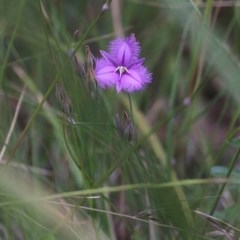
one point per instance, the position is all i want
(34, 115)
(12, 125)
(10, 44)
(232, 165)
(130, 106)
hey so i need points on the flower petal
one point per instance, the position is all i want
(109, 58)
(125, 50)
(124, 55)
(139, 61)
(104, 73)
(134, 80)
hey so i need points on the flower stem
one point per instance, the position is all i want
(130, 106)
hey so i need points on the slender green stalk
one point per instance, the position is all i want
(2, 152)
(219, 195)
(10, 45)
(34, 115)
(172, 108)
(103, 190)
(85, 34)
(130, 107)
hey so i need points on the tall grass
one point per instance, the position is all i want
(67, 172)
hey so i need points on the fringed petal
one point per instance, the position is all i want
(104, 74)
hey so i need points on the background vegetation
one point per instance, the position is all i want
(67, 173)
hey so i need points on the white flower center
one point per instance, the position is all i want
(121, 70)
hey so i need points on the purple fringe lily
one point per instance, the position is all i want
(121, 67)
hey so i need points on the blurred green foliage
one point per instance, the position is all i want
(184, 122)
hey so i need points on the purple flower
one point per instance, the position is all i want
(121, 67)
